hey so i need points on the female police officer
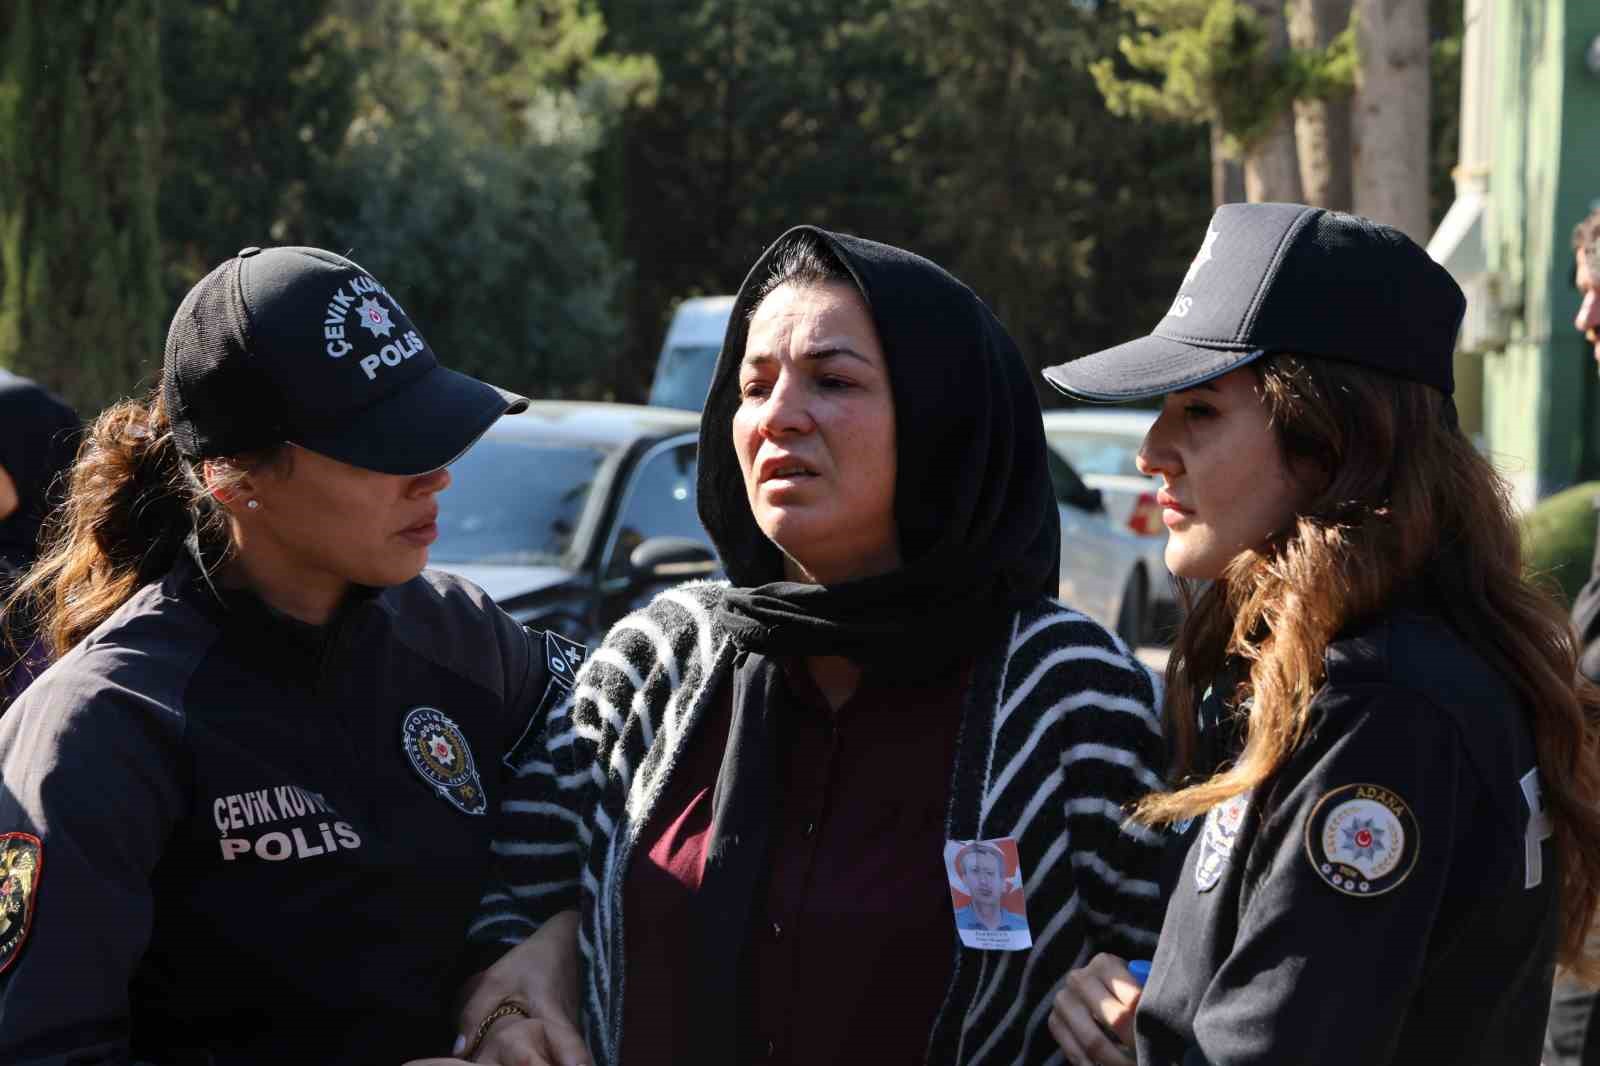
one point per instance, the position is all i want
(247, 816)
(1393, 779)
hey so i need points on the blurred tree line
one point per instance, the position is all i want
(542, 180)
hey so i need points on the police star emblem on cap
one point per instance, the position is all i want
(375, 318)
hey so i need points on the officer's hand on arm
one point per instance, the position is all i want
(541, 974)
(1092, 1016)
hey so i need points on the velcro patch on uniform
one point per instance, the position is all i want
(564, 656)
(1362, 839)
(21, 860)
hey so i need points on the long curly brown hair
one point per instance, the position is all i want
(1406, 499)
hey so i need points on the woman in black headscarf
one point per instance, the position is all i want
(38, 436)
(865, 804)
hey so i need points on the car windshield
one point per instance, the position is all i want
(1097, 453)
(684, 376)
(514, 502)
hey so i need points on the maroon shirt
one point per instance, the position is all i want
(849, 956)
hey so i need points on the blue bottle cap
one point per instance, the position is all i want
(1140, 968)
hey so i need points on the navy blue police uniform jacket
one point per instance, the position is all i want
(228, 837)
(1390, 895)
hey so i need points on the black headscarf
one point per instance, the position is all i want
(979, 534)
(976, 514)
(38, 438)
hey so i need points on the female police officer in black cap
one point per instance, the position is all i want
(1391, 776)
(246, 817)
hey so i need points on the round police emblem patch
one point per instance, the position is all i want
(1362, 839)
(1217, 837)
(438, 752)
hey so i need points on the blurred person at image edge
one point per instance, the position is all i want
(38, 435)
(1573, 1036)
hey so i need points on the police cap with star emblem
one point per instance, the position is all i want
(1273, 278)
(303, 346)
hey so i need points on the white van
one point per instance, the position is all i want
(689, 354)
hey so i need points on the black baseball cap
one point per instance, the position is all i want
(1275, 278)
(303, 346)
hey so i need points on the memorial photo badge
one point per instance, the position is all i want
(1217, 836)
(986, 891)
(1362, 840)
(438, 752)
(21, 857)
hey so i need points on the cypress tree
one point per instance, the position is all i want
(81, 307)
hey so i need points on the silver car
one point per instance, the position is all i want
(1101, 445)
(1104, 572)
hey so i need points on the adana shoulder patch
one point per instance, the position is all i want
(21, 860)
(1362, 839)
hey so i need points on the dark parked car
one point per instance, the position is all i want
(572, 514)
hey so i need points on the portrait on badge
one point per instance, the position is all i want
(986, 892)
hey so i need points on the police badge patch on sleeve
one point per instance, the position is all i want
(21, 860)
(438, 752)
(1217, 836)
(1362, 839)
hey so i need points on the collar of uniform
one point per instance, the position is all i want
(1361, 645)
(199, 572)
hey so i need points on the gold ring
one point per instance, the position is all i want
(504, 1009)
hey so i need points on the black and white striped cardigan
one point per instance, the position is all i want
(1060, 732)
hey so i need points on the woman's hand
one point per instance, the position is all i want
(541, 974)
(1092, 1017)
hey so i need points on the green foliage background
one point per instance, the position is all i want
(1558, 538)
(1210, 61)
(80, 130)
(542, 180)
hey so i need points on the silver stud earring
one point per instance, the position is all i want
(252, 504)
